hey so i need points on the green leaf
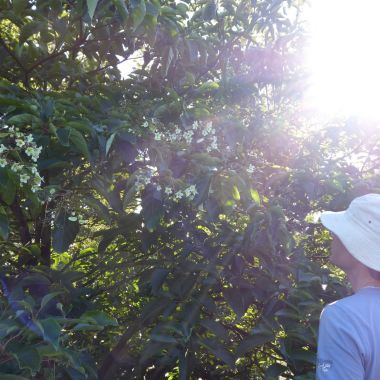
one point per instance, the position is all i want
(51, 331)
(208, 87)
(91, 6)
(99, 317)
(29, 29)
(4, 224)
(163, 338)
(63, 135)
(29, 358)
(7, 327)
(255, 196)
(19, 6)
(252, 342)
(158, 277)
(274, 371)
(122, 9)
(77, 139)
(152, 211)
(64, 231)
(215, 327)
(238, 300)
(109, 142)
(7, 186)
(87, 327)
(138, 12)
(235, 193)
(219, 351)
(48, 297)
(209, 11)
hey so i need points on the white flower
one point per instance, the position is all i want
(214, 145)
(3, 162)
(195, 125)
(250, 169)
(191, 192)
(200, 140)
(73, 218)
(158, 188)
(145, 180)
(11, 129)
(208, 129)
(33, 152)
(34, 170)
(178, 195)
(177, 131)
(157, 136)
(20, 143)
(188, 135)
(37, 180)
(2, 148)
(16, 167)
(168, 190)
(145, 124)
(29, 138)
(24, 178)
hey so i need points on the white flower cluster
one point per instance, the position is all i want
(143, 178)
(27, 172)
(199, 133)
(250, 169)
(74, 218)
(189, 193)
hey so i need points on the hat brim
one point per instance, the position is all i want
(364, 247)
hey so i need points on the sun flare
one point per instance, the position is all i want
(344, 57)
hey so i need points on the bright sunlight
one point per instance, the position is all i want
(344, 58)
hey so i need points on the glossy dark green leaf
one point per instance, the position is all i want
(121, 7)
(100, 317)
(51, 331)
(252, 342)
(64, 231)
(79, 142)
(64, 136)
(152, 210)
(29, 358)
(4, 224)
(138, 12)
(209, 10)
(274, 371)
(158, 277)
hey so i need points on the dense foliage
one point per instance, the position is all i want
(164, 224)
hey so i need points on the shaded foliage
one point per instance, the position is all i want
(178, 201)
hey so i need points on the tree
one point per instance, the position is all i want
(162, 223)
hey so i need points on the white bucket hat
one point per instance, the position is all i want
(358, 228)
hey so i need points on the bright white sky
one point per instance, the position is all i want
(344, 57)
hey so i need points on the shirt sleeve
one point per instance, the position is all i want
(338, 356)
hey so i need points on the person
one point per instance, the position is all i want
(349, 330)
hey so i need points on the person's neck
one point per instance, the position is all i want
(360, 277)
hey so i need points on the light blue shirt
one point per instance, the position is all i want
(349, 338)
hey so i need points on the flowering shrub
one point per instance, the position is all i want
(20, 156)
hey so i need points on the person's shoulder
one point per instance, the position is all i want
(342, 307)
